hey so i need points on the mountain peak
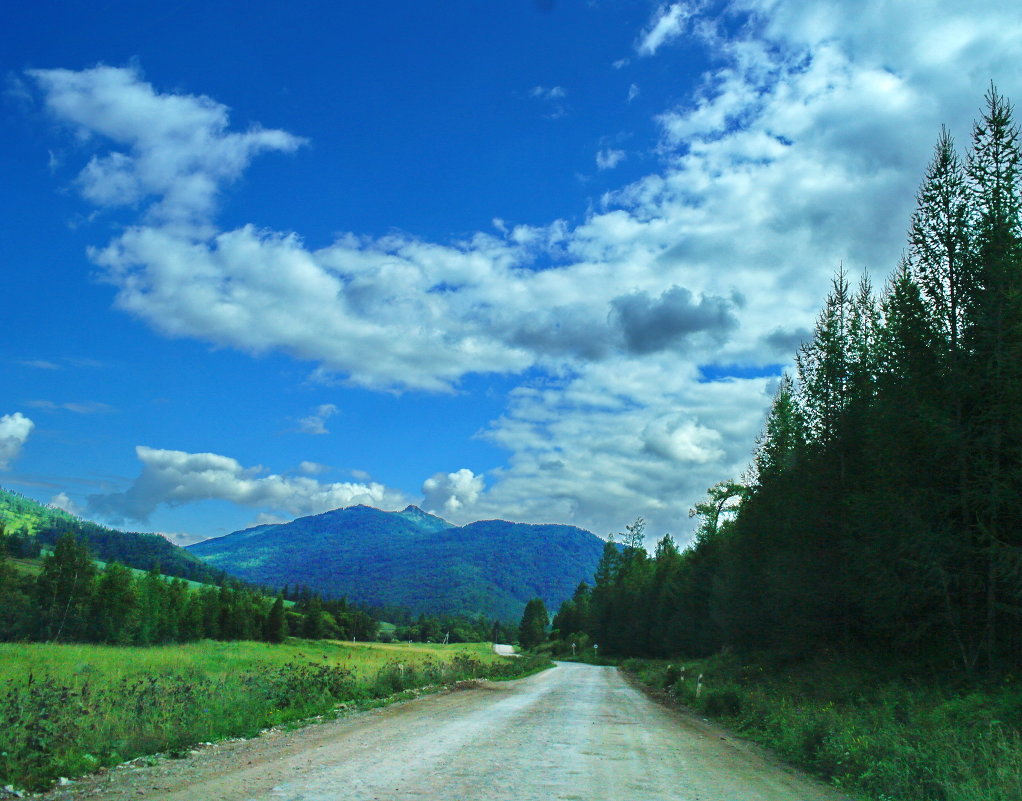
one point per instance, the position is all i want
(413, 514)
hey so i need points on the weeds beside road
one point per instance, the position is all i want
(864, 730)
(66, 710)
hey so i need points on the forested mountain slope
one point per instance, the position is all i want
(413, 559)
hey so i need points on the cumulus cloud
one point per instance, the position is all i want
(449, 493)
(313, 468)
(14, 431)
(315, 423)
(174, 478)
(681, 439)
(63, 501)
(668, 23)
(650, 325)
(621, 438)
(176, 147)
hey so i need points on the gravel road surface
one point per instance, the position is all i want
(573, 732)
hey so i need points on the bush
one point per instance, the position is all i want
(725, 702)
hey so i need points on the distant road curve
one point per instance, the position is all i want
(504, 650)
(573, 732)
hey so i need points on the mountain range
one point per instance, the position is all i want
(414, 560)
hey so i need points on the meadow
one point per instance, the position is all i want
(68, 709)
(862, 727)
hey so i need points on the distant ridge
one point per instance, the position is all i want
(413, 559)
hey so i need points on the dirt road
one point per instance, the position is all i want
(574, 732)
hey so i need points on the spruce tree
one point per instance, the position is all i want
(532, 629)
(823, 364)
(783, 438)
(113, 615)
(275, 630)
(994, 438)
(939, 241)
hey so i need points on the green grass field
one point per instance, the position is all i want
(69, 709)
(108, 663)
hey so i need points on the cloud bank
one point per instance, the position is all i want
(174, 478)
(801, 148)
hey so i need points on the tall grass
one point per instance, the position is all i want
(892, 738)
(70, 709)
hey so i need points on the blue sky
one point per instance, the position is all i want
(534, 260)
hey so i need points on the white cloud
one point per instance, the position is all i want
(177, 146)
(668, 23)
(174, 478)
(633, 92)
(62, 501)
(450, 493)
(313, 468)
(680, 439)
(624, 437)
(315, 423)
(14, 431)
(609, 158)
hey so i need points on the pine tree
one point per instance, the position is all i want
(274, 630)
(113, 615)
(313, 626)
(824, 387)
(783, 439)
(994, 437)
(532, 629)
(939, 241)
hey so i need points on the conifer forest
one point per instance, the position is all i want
(881, 510)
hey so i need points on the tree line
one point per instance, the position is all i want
(882, 509)
(74, 600)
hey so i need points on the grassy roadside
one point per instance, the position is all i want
(66, 710)
(881, 735)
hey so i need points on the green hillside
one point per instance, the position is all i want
(413, 560)
(26, 519)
